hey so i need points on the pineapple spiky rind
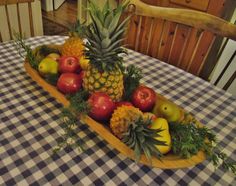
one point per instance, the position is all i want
(74, 45)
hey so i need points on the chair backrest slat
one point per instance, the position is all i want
(31, 19)
(21, 16)
(181, 37)
(12, 18)
(25, 19)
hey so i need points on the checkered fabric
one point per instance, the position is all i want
(30, 127)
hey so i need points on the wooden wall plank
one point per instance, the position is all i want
(178, 44)
(205, 43)
(4, 25)
(139, 29)
(156, 37)
(189, 51)
(132, 32)
(163, 39)
(215, 7)
(144, 38)
(196, 4)
(169, 40)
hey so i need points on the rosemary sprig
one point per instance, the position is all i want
(132, 76)
(78, 105)
(188, 139)
(19, 45)
(70, 137)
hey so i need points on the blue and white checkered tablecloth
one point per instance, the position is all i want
(30, 126)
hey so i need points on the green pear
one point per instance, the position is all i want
(168, 110)
(48, 66)
(161, 123)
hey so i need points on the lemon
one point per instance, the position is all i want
(161, 123)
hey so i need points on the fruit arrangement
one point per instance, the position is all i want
(92, 76)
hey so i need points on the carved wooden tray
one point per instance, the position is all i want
(169, 161)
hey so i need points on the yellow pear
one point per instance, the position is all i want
(54, 56)
(167, 110)
(48, 66)
(161, 123)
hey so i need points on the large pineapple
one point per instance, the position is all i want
(104, 36)
(74, 45)
(129, 125)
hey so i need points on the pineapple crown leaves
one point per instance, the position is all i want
(142, 139)
(105, 35)
(78, 29)
(132, 77)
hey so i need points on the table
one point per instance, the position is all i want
(30, 126)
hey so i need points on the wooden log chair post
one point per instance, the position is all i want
(181, 37)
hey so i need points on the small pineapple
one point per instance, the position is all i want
(122, 117)
(129, 125)
(74, 45)
(104, 36)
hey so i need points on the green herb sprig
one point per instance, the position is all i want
(19, 45)
(70, 137)
(188, 139)
(78, 103)
(132, 77)
(69, 120)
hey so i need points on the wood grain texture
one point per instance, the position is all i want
(37, 18)
(12, 19)
(181, 37)
(22, 17)
(169, 161)
(66, 15)
(196, 4)
(4, 24)
(197, 19)
(8, 2)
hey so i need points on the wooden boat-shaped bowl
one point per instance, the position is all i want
(169, 161)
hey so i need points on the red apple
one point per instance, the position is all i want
(69, 64)
(69, 83)
(121, 103)
(144, 98)
(102, 106)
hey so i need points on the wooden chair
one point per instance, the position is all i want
(22, 16)
(181, 37)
